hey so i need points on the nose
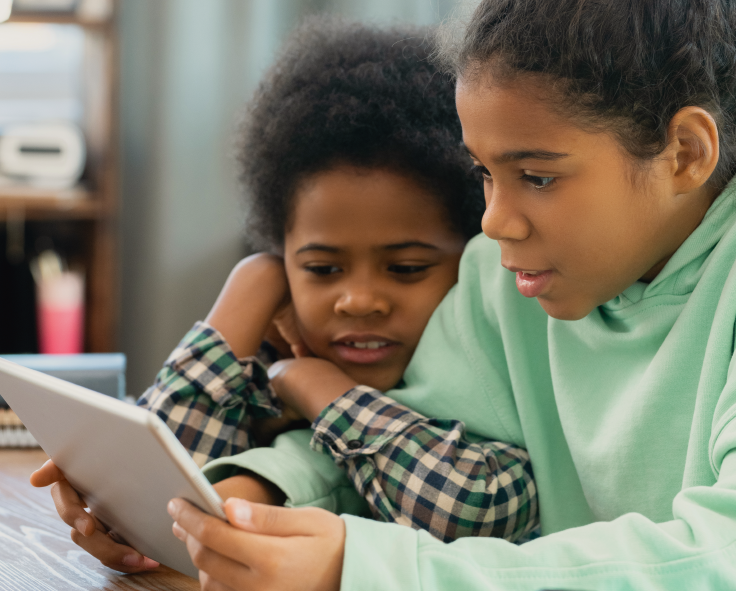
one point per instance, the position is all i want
(502, 220)
(362, 300)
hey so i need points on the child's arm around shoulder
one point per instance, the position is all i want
(412, 470)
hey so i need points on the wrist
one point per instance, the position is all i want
(309, 384)
(251, 487)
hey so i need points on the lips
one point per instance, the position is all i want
(529, 282)
(364, 348)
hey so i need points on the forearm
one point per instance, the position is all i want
(696, 550)
(254, 291)
(422, 473)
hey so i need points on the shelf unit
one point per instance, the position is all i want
(92, 207)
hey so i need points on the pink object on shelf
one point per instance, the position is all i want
(61, 314)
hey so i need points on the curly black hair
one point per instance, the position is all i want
(349, 93)
(624, 65)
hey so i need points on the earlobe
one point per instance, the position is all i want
(694, 137)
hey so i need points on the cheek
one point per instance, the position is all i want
(313, 308)
(425, 299)
(589, 230)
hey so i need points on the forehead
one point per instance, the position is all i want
(514, 115)
(349, 205)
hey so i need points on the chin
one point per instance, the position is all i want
(382, 383)
(565, 310)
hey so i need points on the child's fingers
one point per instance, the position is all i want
(285, 321)
(206, 532)
(70, 507)
(46, 475)
(218, 572)
(276, 521)
(263, 547)
(111, 554)
(277, 341)
(299, 350)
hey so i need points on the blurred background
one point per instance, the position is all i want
(118, 188)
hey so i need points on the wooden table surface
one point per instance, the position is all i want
(36, 552)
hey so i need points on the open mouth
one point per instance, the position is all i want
(366, 345)
(364, 349)
(532, 283)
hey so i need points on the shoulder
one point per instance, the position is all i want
(481, 261)
(485, 287)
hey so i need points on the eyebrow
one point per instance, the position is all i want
(516, 155)
(314, 246)
(411, 244)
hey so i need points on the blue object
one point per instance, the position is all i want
(101, 372)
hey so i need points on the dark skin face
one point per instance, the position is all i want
(369, 255)
(573, 218)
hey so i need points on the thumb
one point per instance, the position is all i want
(46, 475)
(273, 521)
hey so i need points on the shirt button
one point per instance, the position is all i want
(355, 444)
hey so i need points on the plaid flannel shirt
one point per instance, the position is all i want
(411, 470)
(208, 397)
(420, 472)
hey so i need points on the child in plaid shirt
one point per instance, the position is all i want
(369, 203)
(362, 196)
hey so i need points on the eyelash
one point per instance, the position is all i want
(538, 186)
(482, 170)
(327, 270)
(322, 270)
(407, 269)
(524, 177)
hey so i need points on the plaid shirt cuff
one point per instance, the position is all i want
(207, 396)
(204, 360)
(359, 423)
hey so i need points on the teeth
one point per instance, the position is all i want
(368, 345)
(530, 272)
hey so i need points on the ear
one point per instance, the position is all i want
(693, 137)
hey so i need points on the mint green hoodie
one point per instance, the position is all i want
(628, 416)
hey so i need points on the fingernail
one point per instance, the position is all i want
(242, 511)
(132, 560)
(179, 531)
(149, 563)
(171, 507)
(81, 525)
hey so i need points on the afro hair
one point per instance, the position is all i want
(348, 93)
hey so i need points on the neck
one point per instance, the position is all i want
(689, 216)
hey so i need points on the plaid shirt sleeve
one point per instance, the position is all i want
(207, 396)
(420, 472)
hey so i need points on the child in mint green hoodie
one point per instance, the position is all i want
(593, 324)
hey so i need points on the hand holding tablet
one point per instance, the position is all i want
(121, 461)
(88, 532)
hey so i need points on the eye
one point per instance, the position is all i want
(322, 270)
(539, 182)
(482, 171)
(407, 269)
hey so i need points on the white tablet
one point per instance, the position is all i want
(123, 460)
